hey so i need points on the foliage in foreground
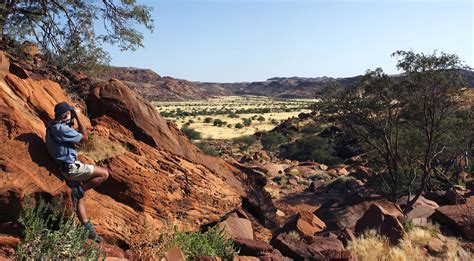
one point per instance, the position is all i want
(211, 243)
(149, 244)
(49, 234)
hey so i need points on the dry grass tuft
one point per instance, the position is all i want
(370, 247)
(374, 247)
(98, 148)
(148, 243)
(420, 236)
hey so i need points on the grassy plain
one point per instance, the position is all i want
(232, 110)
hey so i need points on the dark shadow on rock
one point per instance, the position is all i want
(39, 153)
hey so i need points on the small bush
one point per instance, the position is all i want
(207, 149)
(239, 126)
(272, 140)
(191, 133)
(218, 122)
(211, 243)
(311, 148)
(320, 176)
(49, 234)
(312, 129)
(208, 120)
(248, 140)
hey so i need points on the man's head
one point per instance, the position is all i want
(63, 111)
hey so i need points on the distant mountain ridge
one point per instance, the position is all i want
(154, 87)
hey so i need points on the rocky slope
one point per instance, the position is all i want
(153, 87)
(160, 177)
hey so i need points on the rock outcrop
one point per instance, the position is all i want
(152, 181)
(119, 102)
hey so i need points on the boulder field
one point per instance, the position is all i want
(158, 179)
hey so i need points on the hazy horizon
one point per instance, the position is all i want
(245, 41)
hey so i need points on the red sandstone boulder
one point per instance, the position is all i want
(175, 254)
(383, 221)
(305, 223)
(8, 246)
(318, 249)
(119, 102)
(238, 228)
(421, 210)
(457, 217)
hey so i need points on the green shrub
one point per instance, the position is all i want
(49, 234)
(311, 148)
(272, 140)
(208, 120)
(191, 133)
(311, 129)
(247, 122)
(211, 243)
(218, 122)
(239, 126)
(248, 140)
(209, 150)
(320, 176)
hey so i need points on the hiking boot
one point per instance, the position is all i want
(76, 194)
(91, 234)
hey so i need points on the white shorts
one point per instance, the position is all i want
(79, 171)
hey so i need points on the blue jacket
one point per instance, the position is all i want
(60, 140)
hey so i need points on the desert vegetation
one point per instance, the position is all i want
(51, 234)
(232, 116)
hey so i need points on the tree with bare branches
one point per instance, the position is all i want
(65, 30)
(413, 125)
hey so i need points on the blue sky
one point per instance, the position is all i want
(244, 40)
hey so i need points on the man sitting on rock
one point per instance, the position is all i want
(60, 141)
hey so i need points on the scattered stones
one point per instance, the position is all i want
(435, 246)
(318, 248)
(293, 182)
(313, 187)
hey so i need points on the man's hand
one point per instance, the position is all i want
(77, 111)
(82, 129)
